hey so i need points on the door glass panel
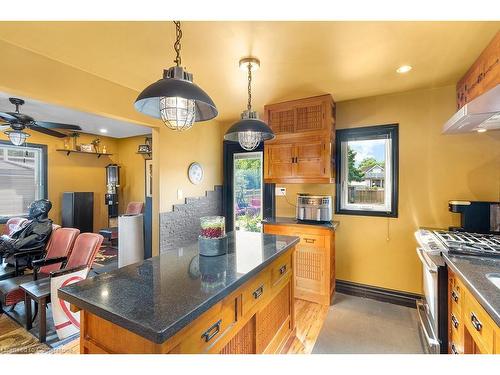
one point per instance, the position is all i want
(248, 187)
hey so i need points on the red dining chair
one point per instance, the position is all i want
(59, 246)
(13, 224)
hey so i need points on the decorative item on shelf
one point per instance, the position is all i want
(87, 147)
(143, 149)
(74, 138)
(66, 143)
(195, 173)
(175, 99)
(104, 150)
(212, 240)
(96, 143)
(249, 131)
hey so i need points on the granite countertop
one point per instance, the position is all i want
(472, 270)
(291, 220)
(159, 296)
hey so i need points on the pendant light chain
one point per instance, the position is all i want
(177, 44)
(249, 105)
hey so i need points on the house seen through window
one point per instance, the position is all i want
(22, 178)
(367, 171)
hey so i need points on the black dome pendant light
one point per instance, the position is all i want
(249, 131)
(175, 98)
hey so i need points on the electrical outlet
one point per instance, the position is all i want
(179, 194)
(280, 192)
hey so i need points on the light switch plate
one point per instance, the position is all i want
(280, 191)
(179, 194)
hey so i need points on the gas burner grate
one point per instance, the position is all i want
(470, 243)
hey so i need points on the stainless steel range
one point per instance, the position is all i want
(469, 243)
(433, 308)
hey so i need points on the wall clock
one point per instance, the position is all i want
(195, 173)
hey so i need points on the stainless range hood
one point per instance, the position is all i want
(481, 113)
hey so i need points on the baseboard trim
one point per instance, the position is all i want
(395, 297)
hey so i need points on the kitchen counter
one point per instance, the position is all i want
(472, 270)
(293, 221)
(158, 297)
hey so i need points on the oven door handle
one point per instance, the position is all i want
(431, 268)
(421, 310)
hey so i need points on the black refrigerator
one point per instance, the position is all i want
(78, 211)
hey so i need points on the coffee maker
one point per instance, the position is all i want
(111, 197)
(477, 217)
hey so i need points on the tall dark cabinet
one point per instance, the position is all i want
(78, 211)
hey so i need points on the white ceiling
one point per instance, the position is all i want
(89, 122)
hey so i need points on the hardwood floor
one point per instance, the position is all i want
(309, 320)
(309, 317)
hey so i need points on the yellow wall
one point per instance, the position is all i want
(76, 172)
(132, 169)
(177, 150)
(434, 168)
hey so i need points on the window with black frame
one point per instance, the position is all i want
(367, 171)
(23, 178)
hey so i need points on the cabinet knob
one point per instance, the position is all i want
(212, 331)
(258, 292)
(476, 323)
(454, 321)
(454, 296)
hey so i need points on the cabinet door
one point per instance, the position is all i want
(309, 271)
(310, 116)
(310, 159)
(282, 120)
(279, 160)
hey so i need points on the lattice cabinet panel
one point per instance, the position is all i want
(272, 317)
(310, 269)
(243, 342)
(282, 121)
(309, 118)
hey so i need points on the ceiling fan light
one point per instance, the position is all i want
(16, 137)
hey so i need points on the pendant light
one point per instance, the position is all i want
(17, 137)
(249, 131)
(175, 98)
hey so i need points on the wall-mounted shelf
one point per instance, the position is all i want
(147, 155)
(99, 154)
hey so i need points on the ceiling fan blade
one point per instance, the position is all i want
(48, 131)
(55, 125)
(4, 127)
(6, 117)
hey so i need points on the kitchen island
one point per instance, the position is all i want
(180, 302)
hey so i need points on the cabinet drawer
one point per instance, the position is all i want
(208, 329)
(312, 240)
(256, 291)
(479, 324)
(281, 267)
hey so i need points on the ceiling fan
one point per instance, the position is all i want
(17, 122)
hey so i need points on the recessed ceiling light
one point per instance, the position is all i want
(404, 69)
(103, 130)
(481, 130)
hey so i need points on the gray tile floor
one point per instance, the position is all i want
(365, 326)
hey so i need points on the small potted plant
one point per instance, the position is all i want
(96, 143)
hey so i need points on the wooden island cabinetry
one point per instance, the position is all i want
(470, 329)
(303, 149)
(314, 264)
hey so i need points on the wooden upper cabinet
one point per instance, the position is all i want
(482, 76)
(303, 148)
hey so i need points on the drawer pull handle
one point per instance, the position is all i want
(309, 240)
(454, 321)
(282, 269)
(476, 322)
(453, 349)
(454, 296)
(212, 331)
(258, 292)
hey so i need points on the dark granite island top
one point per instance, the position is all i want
(472, 270)
(158, 297)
